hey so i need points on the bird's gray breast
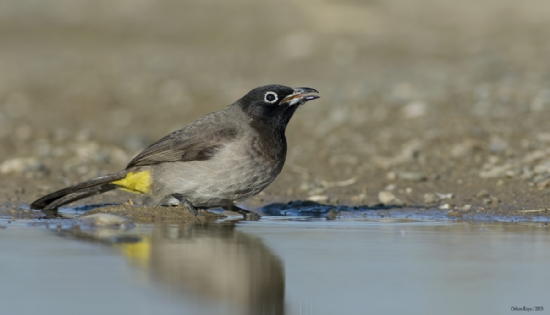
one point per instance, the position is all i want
(252, 169)
(238, 171)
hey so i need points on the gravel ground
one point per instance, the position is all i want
(425, 104)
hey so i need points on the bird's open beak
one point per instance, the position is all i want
(300, 96)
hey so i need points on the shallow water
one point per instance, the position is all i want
(275, 266)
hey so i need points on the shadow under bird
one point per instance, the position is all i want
(218, 160)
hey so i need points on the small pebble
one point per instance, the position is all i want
(544, 184)
(359, 198)
(431, 198)
(318, 198)
(386, 197)
(397, 202)
(20, 165)
(331, 214)
(497, 171)
(412, 176)
(414, 109)
(454, 213)
(445, 196)
(483, 194)
(316, 191)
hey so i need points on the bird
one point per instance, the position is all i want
(220, 159)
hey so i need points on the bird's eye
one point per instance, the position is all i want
(270, 97)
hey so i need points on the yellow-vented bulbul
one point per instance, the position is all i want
(222, 158)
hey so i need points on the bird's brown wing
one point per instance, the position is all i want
(198, 141)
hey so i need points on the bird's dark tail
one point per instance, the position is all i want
(86, 189)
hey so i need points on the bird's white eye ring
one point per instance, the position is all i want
(271, 97)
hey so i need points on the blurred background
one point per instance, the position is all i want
(418, 96)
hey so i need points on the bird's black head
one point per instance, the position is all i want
(274, 104)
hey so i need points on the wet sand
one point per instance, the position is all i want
(427, 105)
(156, 214)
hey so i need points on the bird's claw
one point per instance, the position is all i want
(247, 215)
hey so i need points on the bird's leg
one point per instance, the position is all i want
(247, 215)
(186, 204)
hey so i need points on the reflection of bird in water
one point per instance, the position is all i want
(214, 262)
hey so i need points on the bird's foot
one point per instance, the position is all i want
(247, 215)
(186, 204)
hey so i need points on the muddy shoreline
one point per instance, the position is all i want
(433, 110)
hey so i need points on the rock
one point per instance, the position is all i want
(467, 147)
(543, 167)
(445, 206)
(526, 173)
(544, 184)
(445, 196)
(534, 156)
(414, 109)
(412, 176)
(331, 214)
(359, 198)
(21, 165)
(483, 194)
(487, 201)
(410, 151)
(541, 178)
(397, 202)
(304, 186)
(316, 191)
(342, 183)
(459, 150)
(318, 198)
(454, 213)
(496, 171)
(388, 198)
(497, 144)
(431, 198)
(466, 208)
(513, 173)
(252, 216)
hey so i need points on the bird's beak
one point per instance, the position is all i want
(300, 95)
